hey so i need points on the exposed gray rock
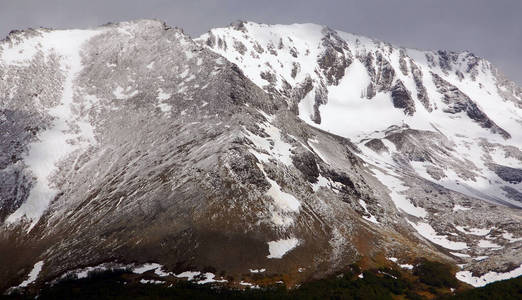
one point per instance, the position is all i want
(376, 145)
(402, 62)
(435, 172)
(422, 94)
(211, 40)
(296, 67)
(459, 102)
(513, 193)
(293, 52)
(239, 25)
(271, 49)
(240, 47)
(447, 59)
(385, 73)
(367, 60)
(459, 75)
(305, 162)
(402, 99)
(321, 97)
(370, 91)
(335, 58)
(511, 175)
(472, 65)
(269, 76)
(300, 91)
(259, 49)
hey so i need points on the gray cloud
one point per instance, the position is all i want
(490, 29)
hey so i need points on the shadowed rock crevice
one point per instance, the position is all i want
(511, 175)
(459, 102)
(401, 98)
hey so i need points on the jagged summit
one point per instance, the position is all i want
(292, 149)
(255, 48)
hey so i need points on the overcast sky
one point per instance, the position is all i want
(489, 28)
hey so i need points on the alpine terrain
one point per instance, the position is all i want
(250, 155)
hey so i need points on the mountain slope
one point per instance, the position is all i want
(358, 88)
(291, 150)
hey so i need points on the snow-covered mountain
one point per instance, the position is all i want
(372, 92)
(273, 149)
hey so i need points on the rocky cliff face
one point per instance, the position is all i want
(291, 150)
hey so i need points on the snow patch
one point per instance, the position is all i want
(509, 236)
(164, 107)
(188, 274)
(162, 95)
(479, 258)
(488, 244)
(467, 277)
(121, 93)
(84, 272)
(371, 218)
(257, 270)
(33, 275)
(151, 281)
(460, 207)
(273, 145)
(473, 231)
(279, 248)
(321, 182)
(406, 266)
(396, 187)
(347, 103)
(431, 235)
(209, 278)
(457, 254)
(250, 285)
(184, 73)
(146, 267)
(284, 201)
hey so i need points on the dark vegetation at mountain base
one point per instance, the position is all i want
(435, 274)
(503, 290)
(428, 280)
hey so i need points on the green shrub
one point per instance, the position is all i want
(435, 274)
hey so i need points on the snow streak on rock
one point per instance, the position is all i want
(33, 275)
(53, 143)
